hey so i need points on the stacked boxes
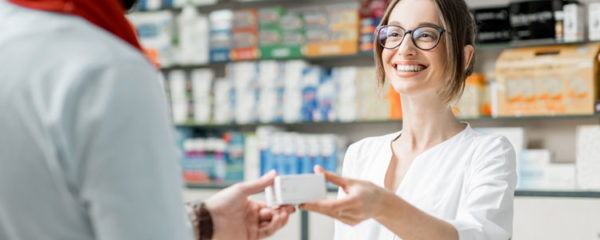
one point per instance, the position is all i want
(180, 96)
(243, 76)
(537, 171)
(201, 80)
(371, 13)
(270, 33)
(155, 31)
(292, 26)
(281, 33)
(190, 96)
(270, 91)
(293, 153)
(588, 154)
(347, 79)
(472, 102)
(532, 20)
(193, 37)
(276, 91)
(573, 22)
(554, 80)
(223, 107)
(245, 35)
(594, 21)
(370, 97)
(143, 5)
(292, 90)
(493, 24)
(214, 159)
(332, 31)
(221, 38)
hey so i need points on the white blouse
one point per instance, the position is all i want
(467, 180)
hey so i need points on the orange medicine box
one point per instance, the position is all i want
(551, 80)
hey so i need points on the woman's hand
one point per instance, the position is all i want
(363, 200)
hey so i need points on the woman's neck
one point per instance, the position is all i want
(426, 122)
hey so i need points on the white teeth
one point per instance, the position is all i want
(409, 68)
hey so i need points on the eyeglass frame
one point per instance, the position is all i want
(439, 29)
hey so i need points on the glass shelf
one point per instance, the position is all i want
(528, 43)
(237, 4)
(325, 124)
(518, 193)
(362, 57)
(552, 193)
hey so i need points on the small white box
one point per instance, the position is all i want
(588, 157)
(531, 166)
(594, 21)
(296, 189)
(573, 22)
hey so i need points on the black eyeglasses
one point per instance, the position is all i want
(424, 38)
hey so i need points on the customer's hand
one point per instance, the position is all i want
(236, 217)
(363, 200)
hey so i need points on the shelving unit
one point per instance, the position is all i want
(552, 132)
(326, 124)
(237, 4)
(542, 194)
(518, 193)
(366, 58)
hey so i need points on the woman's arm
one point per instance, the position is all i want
(409, 222)
(366, 200)
(485, 211)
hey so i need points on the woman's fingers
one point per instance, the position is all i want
(331, 208)
(333, 178)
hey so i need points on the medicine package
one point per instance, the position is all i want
(296, 189)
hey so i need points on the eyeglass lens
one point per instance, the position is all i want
(423, 37)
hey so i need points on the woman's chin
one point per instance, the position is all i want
(406, 88)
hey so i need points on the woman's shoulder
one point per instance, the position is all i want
(373, 143)
(487, 139)
(491, 147)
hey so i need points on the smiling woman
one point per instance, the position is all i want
(450, 23)
(437, 178)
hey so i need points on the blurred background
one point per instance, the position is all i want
(276, 84)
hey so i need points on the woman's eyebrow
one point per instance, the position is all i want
(395, 23)
(423, 24)
(428, 24)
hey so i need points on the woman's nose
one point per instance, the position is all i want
(407, 47)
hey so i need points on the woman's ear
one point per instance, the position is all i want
(468, 51)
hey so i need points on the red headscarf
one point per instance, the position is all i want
(106, 14)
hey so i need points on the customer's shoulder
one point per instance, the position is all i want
(64, 38)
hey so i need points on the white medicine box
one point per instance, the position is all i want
(594, 21)
(573, 22)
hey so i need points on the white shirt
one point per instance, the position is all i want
(467, 180)
(86, 150)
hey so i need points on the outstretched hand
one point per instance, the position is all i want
(363, 200)
(236, 217)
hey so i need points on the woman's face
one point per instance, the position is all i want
(412, 71)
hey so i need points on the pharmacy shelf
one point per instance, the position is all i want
(518, 193)
(367, 58)
(238, 4)
(528, 43)
(327, 124)
(558, 194)
(361, 58)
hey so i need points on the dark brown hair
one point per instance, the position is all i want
(460, 32)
